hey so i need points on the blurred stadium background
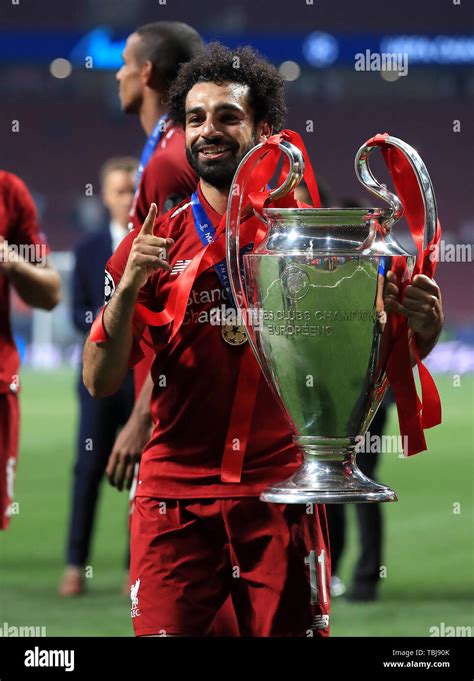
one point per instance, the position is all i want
(57, 67)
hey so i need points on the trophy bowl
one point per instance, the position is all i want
(320, 333)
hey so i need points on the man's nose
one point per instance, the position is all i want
(209, 129)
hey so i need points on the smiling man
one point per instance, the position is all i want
(195, 537)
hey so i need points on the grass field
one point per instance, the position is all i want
(429, 545)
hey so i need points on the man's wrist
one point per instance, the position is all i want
(128, 288)
(142, 416)
(127, 295)
(425, 341)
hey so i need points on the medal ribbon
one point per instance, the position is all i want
(206, 234)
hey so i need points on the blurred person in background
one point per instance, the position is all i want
(23, 266)
(99, 420)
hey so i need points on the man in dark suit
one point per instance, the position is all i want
(100, 419)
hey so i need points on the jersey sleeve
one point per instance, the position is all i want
(113, 273)
(25, 225)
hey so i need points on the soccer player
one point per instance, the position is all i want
(188, 525)
(197, 537)
(151, 59)
(24, 266)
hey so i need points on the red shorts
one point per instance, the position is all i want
(187, 556)
(9, 435)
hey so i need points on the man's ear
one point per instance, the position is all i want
(148, 74)
(265, 130)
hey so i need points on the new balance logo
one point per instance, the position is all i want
(320, 622)
(179, 266)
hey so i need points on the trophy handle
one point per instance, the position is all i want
(234, 214)
(365, 176)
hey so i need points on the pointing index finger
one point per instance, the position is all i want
(147, 227)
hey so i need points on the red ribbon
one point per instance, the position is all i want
(414, 415)
(241, 417)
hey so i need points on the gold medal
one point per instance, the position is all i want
(234, 334)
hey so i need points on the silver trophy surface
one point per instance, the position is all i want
(315, 285)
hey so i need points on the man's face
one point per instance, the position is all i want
(117, 194)
(220, 130)
(130, 77)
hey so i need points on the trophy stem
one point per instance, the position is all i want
(329, 475)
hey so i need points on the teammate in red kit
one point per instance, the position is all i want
(196, 538)
(152, 56)
(23, 265)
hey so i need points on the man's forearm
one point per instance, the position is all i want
(141, 409)
(106, 364)
(425, 344)
(36, 286)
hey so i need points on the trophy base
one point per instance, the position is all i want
(328, 479)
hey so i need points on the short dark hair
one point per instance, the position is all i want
(126, 164)
(244, 65)
(168, 44)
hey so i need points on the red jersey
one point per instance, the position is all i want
(195, 379)
(167, 179)
(18, 226)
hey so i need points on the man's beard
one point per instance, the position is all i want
(219, 173)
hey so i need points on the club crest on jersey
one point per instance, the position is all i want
(109, 287)
(135, 612)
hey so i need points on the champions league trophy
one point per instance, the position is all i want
(315, 283)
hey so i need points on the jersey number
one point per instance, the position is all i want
(315, 563)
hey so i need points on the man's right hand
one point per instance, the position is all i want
(146, 254)
(127, 451)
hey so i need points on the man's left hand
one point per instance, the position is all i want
(422, 307)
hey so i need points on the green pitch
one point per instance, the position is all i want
(429, 533)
